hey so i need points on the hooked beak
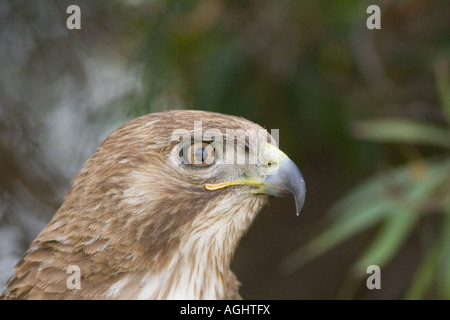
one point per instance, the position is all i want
(287, 180)
(281, 178)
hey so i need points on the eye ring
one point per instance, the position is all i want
(198, 154)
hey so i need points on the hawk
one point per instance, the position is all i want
(158, 210)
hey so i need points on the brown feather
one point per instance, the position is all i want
(138, 227)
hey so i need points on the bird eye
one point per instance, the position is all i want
(199, 154)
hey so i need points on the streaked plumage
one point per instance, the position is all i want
(139, 225)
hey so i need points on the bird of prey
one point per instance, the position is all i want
(157, 212)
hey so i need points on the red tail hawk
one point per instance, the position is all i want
(157, 211)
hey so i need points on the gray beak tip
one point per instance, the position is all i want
(300, 201)
(299, 193)
(287, 180)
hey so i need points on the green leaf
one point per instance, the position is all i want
(337, 233)
(393, 234)
(443, 86)
(403, 131)
(444, 257)
(423, 278)
(385, 196)
(363, 208)
(435, 267)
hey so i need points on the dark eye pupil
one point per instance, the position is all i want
(201, 154)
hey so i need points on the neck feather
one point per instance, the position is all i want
(199, 268)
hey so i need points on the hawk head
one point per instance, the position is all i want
(158, 210)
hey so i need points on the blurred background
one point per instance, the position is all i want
(364, 113)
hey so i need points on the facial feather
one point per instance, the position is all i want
(141, 226)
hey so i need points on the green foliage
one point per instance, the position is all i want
(310, 69)
(404, 131)
(397, 201)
